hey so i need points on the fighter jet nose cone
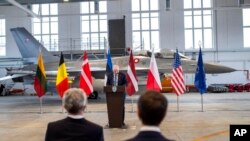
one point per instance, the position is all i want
(218, 69)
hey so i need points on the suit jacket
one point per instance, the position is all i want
(149, 136)
(70, 129)
(121, 79)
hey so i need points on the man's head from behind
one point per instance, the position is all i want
(152, 108)
(74, 101)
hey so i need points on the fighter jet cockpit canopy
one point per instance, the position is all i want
(160, 53)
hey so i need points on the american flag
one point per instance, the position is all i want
(177, 79)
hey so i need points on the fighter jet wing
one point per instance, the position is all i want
(12, 76)
(97, 72)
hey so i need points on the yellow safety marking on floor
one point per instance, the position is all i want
(203, 138)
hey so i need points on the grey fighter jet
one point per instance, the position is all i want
(29, 48)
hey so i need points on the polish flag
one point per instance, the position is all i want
(132, 84)
(85, 82)
(153, 81)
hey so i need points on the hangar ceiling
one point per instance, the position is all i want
(20, 3)
(5, 2)
(219, 2)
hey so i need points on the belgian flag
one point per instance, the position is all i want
(40, 82)
(62, 77)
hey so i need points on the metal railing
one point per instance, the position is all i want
(67, 44)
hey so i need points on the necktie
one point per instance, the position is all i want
(115, 80)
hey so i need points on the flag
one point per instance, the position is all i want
(153, 80)
(177, 78)
(40, 82)
(86, 78)
(109, 66)
(200, 76)
(62, 77)
(132, 84)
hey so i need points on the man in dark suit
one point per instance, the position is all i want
(152, 108)
(75, 127)
(117, 78)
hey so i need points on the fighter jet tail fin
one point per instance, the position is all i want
(29, 46)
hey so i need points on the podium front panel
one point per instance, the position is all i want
(115, 106)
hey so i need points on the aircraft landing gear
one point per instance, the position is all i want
(2, 90)
(93, 95)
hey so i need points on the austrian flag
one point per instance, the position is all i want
(132, 84)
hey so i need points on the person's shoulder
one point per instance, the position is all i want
(166, 139)
(142, 139)
(148, 135)
(61, 121)
(56, 124)
(131, 139)
(122, 73)
(92, 124)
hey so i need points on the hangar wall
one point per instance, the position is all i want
(69, 23)
(14, 18)
(228, 49)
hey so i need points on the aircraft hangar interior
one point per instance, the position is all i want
(209, 35)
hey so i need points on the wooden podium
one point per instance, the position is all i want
(115, 105)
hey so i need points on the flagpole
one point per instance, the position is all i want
(132, 104)
(41, 104)
(178, 104)
(40, 82)
(202, 102)
(62, 107)
(200, 78)
(177, 78)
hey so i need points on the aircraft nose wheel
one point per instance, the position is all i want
(93, 95)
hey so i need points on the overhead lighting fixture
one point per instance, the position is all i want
(66, 0)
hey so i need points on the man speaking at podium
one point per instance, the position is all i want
(117, 78)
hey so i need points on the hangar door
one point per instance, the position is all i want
(117, 37)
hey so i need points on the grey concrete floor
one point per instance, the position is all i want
(20, 117)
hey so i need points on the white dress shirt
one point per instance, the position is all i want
(76, 116)
(150, 128)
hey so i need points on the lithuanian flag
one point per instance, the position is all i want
(62, 77)
(40, 82)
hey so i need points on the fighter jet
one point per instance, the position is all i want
(29, 48)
